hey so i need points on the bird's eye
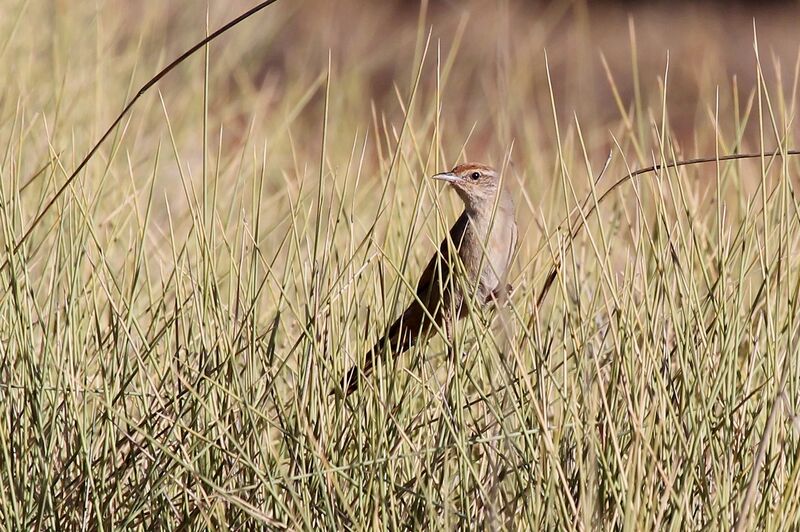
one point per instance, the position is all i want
(475, 175)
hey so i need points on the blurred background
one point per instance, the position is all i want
(497, 73)
(606, 60)
(483, 86)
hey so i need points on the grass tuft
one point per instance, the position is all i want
(181, 297)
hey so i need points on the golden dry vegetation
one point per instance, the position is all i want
(171, 326)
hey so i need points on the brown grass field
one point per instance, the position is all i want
(172, 323)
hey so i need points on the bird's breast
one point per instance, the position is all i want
(486, 252)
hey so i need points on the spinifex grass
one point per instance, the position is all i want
(172, 329)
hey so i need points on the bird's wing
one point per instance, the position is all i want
(437, 272)
(403, 333)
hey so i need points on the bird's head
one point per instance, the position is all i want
(476, 184)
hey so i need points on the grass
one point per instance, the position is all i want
(171, 330)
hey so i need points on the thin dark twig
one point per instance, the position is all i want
(155, 79)
(581, 222)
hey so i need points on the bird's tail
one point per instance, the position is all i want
(399, 337)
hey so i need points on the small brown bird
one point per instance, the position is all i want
(484, 237)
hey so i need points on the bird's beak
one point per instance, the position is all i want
(447, 176)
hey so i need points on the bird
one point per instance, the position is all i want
(483, 241)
